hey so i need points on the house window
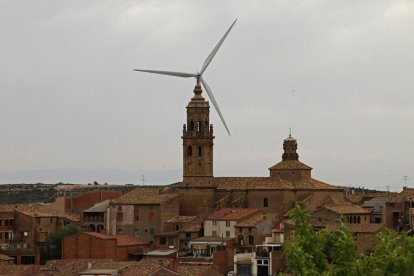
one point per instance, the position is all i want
(251, 240)
(240, 240)
(119, 232)
(136, 213)
(188, 235)
(265, 202)
(215, 222)
(151, 216)
(200, 153)
(163, 241)
(227, 234)
(120, 217)
(136, 232)
(151, 231)
(227, 223)
(189, 151)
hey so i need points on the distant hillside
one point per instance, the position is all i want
(18, 193)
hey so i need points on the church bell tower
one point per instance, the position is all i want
(198, 138)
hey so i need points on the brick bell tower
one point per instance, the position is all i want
(198, 138)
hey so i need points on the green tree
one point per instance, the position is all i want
(54, 241)
(333, 253)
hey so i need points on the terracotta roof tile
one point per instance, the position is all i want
(290, 165)
(146, 266)
(243, 183)
(197, 270)
(358, 228)
(234, 214)
(194, 226)
(144, 196)
(98, 207)
(347, 209)
(255, 220)
(182, 219)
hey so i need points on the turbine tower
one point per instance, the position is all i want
(199, 75)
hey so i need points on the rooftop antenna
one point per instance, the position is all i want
(199, 75)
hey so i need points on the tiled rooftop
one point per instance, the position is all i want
(347, 209)
(40, 210)
(290, 165)
(98, 207)
(242, 183)
(255, 220)
(358, 228)
(233, 214)
(194, 226)
(182, 219)
(147, 266)
(197, 270)
(144, 196)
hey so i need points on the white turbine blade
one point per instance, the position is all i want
(210, 95)
(213, 53)
(169, 73)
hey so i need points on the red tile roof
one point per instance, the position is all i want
(266, 183)
(144, 196)
(234, 214)
(347, 209)
(290, 165)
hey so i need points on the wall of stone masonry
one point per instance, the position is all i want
(196, 201)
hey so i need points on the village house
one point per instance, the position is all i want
(142, 213)
(96, 218)
(92, 245)
(76, 203)
(221, 223)
(254, 230)
(7, 221)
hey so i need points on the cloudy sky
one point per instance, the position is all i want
(339, 73)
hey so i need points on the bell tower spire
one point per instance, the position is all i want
(198, 137)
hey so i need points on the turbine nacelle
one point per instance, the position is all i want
(199, 75)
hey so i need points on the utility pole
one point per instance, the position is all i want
(405, 178)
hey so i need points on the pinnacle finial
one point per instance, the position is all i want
(290, 132)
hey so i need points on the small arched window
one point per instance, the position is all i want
(358, 219)
(199, 126)
(200, 153)
(189, 151)
(191, 126)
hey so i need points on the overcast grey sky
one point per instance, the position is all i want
(340, 73)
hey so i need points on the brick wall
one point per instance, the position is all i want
(78, 203)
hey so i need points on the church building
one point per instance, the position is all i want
(200, 192)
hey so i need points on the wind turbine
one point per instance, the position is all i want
(199, 75)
